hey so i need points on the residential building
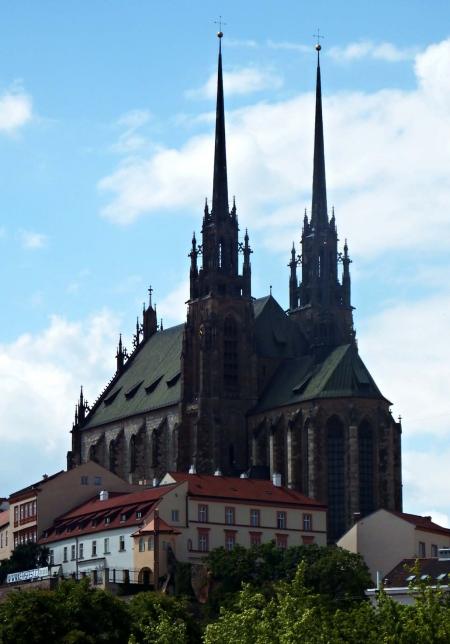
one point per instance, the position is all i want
(385, 538)
(404, 581)
(95, 538)
(131, 537)
(244, 386)
(5, 535)
(34, 508)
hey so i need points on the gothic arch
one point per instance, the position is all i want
(366, 453)
(230, 355)
(132, 455)
(335, 445)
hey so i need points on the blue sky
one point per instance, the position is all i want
(106, 141)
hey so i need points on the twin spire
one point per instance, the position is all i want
(220, 207)
(319, 211)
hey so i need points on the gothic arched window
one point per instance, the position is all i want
(112, 457)
(336, 478)
(366, 469)
(132, 454)
(230, 356)
(305, 458)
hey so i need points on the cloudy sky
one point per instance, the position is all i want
(106, 144)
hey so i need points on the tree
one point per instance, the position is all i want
(159, 619)
(25, 556)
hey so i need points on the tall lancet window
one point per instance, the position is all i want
(230, 356)
(366, 470)
(112, 457)
(132, 454)
(336, 478)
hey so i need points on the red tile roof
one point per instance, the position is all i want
(255, 490)
(97, 516)
(4, 518)
(149, 528)
(422, 523)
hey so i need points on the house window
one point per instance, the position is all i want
(106, 546)
(150, 544)
(34, 508)
(84, 480)
(175, 515)
(72, 553)
(434, 550)
(307, 522)
(107, 519)
(229, 516)
(81, 551)
(255, 518)
(282, 541)
(123, 517)
(97, 480)
(121, 543)
(139, 514)
(203, 540)
(203, 513)
(94, 549)
(230, 539)
(422, 549)
(189, 545)
(141, 544)
(52, 557)
(255, 539)
(281, 520)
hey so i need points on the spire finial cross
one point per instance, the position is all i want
(318, 35)
(150, 291)
(220, 22)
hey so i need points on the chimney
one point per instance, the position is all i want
(192, 469)
(276, 479)
(104, 495)
(244, 475)
(217, 473)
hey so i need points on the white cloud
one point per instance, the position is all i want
(425, 481)
(384, 153)
(384, 51)
(238, 82)
(40, 376)
(130, 140)
(15, 110)
(173, 307)
(244, 43)
(406, 349)
(32, 240)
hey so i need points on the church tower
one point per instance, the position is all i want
(218, 365)
(321, 302)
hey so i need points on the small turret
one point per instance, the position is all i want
(194, 268)
(121, 355)
(149, 326)
(246, 267)
(346, 283)
(293, 284)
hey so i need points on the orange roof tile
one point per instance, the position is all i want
(226, 487)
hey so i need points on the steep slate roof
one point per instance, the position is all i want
(276, 335)
(255, 490)
(342, 373)
(151, 380)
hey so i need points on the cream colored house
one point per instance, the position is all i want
(205, 512)
(5, 536)
(384, 538)
(34, 508)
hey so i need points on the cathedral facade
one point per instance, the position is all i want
(246, 388)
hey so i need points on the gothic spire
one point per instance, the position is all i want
(220, 182)
(319, 216)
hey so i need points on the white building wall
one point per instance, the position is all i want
(113, 558)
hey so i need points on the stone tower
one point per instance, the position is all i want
(218, 361)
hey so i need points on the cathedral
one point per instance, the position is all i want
(244, 388)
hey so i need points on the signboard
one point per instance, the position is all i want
(27, 575)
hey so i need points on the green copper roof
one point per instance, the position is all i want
(341, 374)
(276, 335)
(151, 379)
